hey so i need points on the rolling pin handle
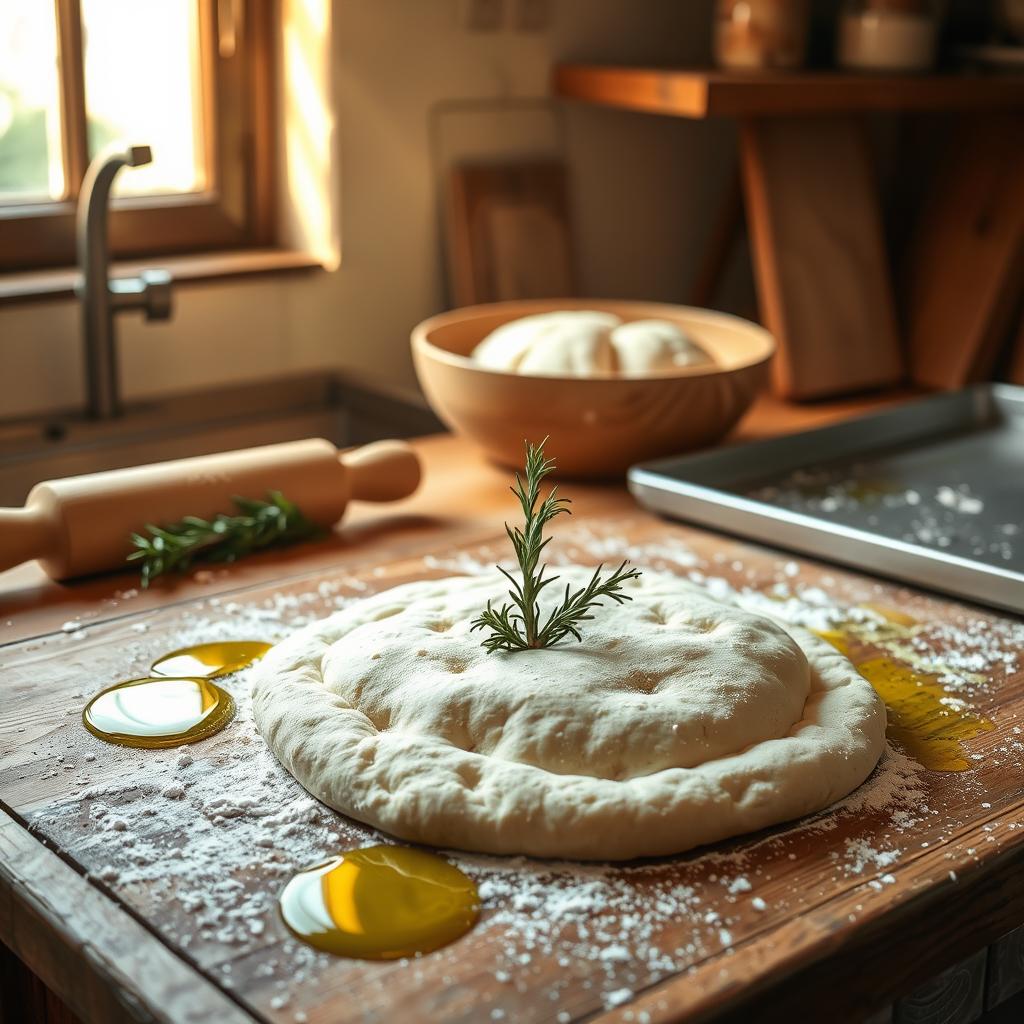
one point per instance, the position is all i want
(383, 471)
(25, 533)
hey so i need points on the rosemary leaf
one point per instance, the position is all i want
(516, 626)
(260, 524)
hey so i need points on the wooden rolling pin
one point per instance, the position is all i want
(83, 524)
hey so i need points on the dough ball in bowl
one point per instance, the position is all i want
(586, 343)
(651, 346)
(574, 343)
(480, 383)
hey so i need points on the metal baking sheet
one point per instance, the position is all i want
(931, 492)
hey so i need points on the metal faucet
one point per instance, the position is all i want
(102, 297)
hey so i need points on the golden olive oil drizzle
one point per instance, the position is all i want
(890, 614)
(178, 703)
(929, 730)
(380, 903)
(220, 658)
(159, 711)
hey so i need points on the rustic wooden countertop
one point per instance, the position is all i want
(460, 494)
(838, 914)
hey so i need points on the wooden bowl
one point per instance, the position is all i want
(598, 426)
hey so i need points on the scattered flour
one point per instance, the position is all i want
(944, 516)
(212, 832)
(617, 998)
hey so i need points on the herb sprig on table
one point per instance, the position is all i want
(518, 626)
(259, 525)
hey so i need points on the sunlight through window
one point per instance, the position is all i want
(193, 80)
(143, 85)
(31, 166)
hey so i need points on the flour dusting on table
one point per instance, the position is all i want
(214, 830)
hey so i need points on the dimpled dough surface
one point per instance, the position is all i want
(679, 720)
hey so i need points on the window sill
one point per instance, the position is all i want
(60, 282)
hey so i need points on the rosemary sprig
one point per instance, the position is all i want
(260, 524)
(518, 626)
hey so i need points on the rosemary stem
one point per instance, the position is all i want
(517, 625)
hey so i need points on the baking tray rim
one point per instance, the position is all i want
(890, 557)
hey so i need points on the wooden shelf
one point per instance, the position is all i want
(697, 93)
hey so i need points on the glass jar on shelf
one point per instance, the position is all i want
(888, 35)
(755, 35)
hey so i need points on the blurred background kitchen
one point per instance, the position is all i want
(325, 175)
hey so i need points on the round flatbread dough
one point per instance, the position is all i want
(679, 720)
(655, 346)
(574, 343)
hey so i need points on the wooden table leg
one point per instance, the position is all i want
(24, 999)
(819, 255)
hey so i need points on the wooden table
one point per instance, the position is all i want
(459, 495)
(815, 224)
(831, 937)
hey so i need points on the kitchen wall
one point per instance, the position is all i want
(643, 190)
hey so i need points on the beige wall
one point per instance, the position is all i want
(643, 194)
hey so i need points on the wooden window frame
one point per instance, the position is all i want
(236, 208)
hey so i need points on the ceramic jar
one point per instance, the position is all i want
(887, 35)
(758, 34)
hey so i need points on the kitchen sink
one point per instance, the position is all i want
(341, 408)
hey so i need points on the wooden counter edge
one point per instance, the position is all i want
(922, 934)
(95, 956)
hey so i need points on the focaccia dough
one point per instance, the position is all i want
(679, 720)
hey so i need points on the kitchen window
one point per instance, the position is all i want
(193, 82)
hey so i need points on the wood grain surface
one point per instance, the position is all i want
(461, 494)
(967, 265)
(821, 266)
(950, 885)
(1005, 968)
(508, 232)
(87, 950)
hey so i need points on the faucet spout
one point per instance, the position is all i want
(102, 297)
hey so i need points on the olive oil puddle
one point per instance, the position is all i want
(159, 711)
(922, 719)
(380, 903)
(210, 660)
(178, 703)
